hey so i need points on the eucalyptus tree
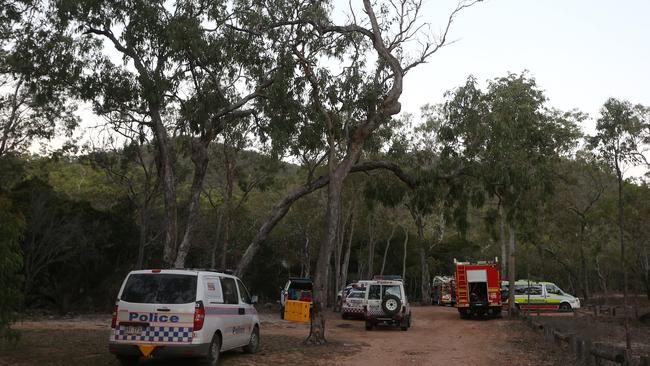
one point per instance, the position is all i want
(185, 69)
(36, 67)
(620, 142)
(351, 101)
(512, 142)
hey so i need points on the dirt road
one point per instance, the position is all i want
(437, 337)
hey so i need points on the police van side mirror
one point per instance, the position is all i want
(254, 299)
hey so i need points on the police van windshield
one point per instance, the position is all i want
(160, 288)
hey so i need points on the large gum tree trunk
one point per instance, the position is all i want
(317, 328)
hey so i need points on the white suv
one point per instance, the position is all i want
(386, 304)
(182, 313)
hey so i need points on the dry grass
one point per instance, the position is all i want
(88, 347)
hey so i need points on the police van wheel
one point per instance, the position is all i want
(128, 360)
(212, 359)
(254, 343)
(565, 306)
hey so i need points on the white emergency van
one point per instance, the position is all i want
(182, 313)
(543, 295)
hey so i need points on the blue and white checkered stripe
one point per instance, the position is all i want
(156, 334)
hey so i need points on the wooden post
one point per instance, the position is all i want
(596, 308)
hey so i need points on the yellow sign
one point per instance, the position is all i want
(146, 349)
(297, 311)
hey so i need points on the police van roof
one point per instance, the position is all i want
(184, 271)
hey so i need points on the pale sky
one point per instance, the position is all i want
(580, 51)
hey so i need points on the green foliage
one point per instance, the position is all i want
(11, 265)
(37, 64)
(509, 139)
(622, 130)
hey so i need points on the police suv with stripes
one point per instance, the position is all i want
(182, 313)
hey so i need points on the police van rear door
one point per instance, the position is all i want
(156, 306)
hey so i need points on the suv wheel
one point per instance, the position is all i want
(254, 343)
(212, 359)
(391, 304)
(369, 325)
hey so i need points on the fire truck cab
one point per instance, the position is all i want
(478, 288)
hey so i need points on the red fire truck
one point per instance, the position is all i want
(478, 288)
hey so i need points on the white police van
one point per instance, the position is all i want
(182, 313)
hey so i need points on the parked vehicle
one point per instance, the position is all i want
(297, 289)
(182, 313)
(386, 304)
(341, 296)
(543, 295)
(477, 289)
(443, 290)
(353, 305)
